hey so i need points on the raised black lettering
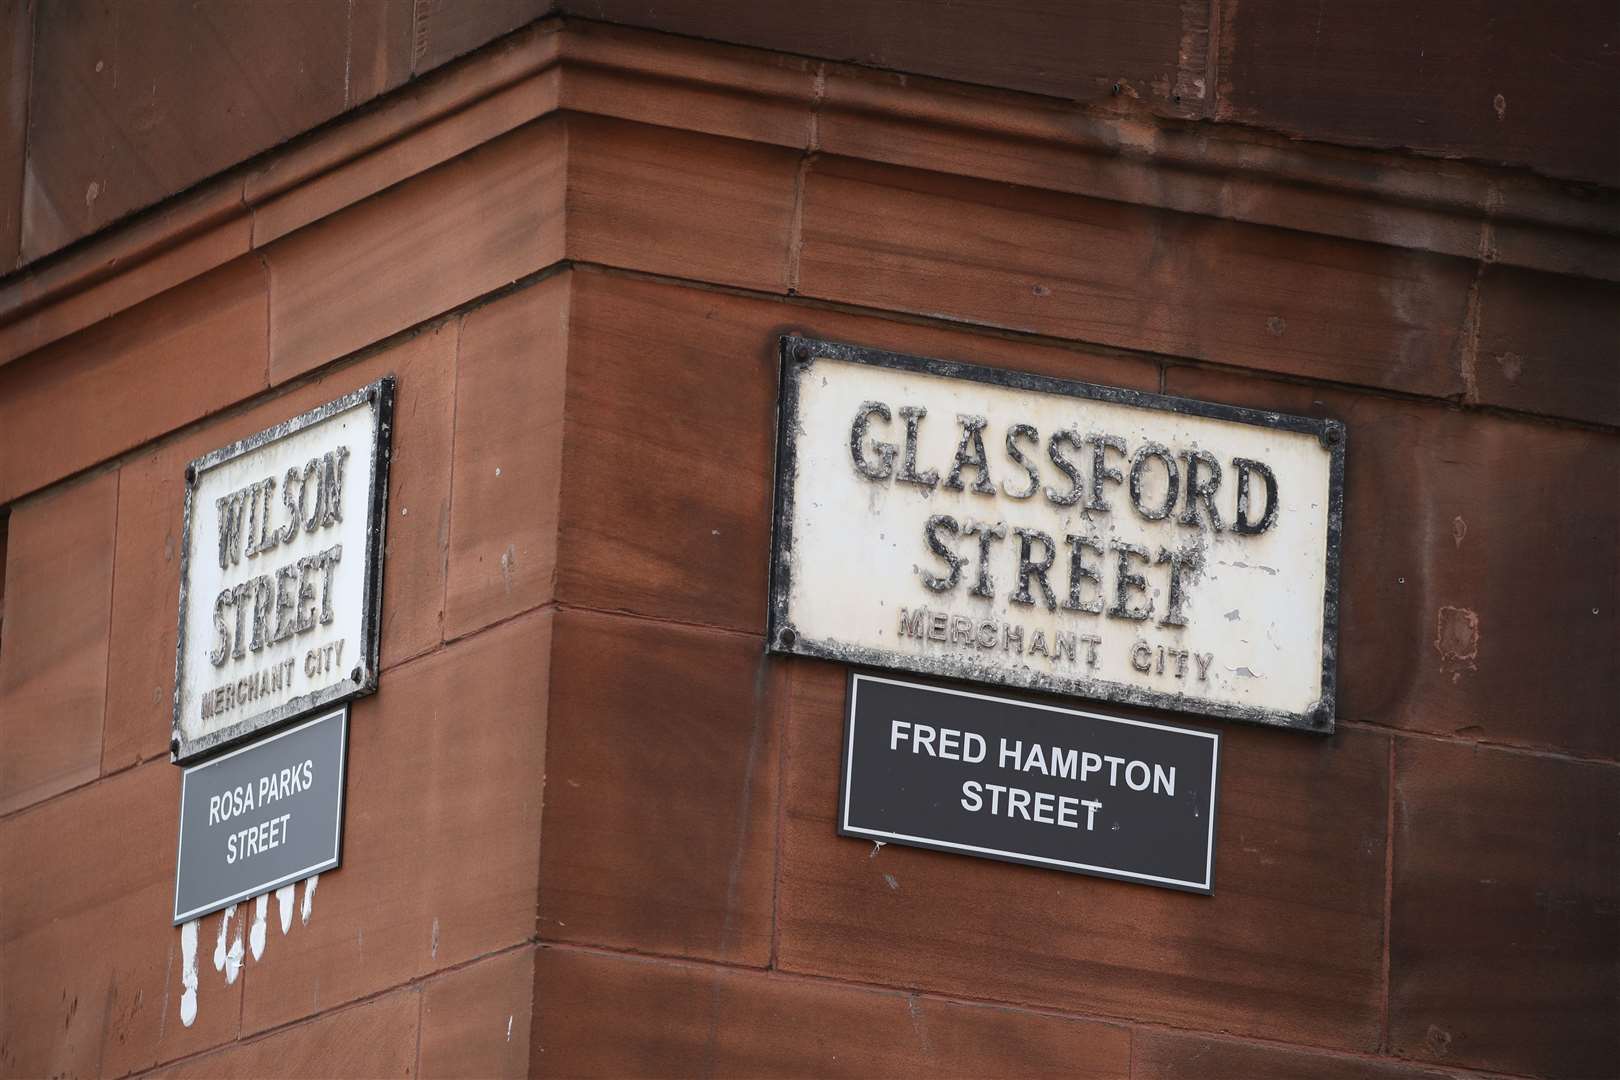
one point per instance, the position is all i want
(1172, 477)
(305, 616)
(1014, 433)
(1079, 571)
(1243, 523)
(1100, 445)
(264, 595)
(971, 442)
(254, 524)
(286, 601)
(232, 508)
(1054, 451)
(1180, 561)
(857, 443)
(328, 561)
(222, 630)
(1197, 461)
(334, 463)
(268, 537)
(1034, 568)
(937, 546)
(314, 514)
(913, 416)
(1126, 582)
(240, 596)
(987, 534)
(294, 505)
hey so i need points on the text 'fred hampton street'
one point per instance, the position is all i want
(1057, 762)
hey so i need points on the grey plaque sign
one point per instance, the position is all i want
(1030, 783)
(257, 818)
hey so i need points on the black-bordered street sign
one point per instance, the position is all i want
(1020, 530)
(281, 572)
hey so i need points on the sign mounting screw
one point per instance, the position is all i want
(355, 676)
(801, 353)
(787, 637)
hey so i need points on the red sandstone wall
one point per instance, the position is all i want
(108, 108)
(590, 825)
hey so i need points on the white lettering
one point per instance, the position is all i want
(919, 740)
(1113, 769)
(1011, 754)
(1067, 805)
(1092, 806)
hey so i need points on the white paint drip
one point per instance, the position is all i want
(261, 912)
(309, 897)
(435, 947)
(509, 1027)
(224, 932)
(284, 897)
(188, 973)
(229, 950)
(233, 959)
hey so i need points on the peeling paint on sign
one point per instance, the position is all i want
(281, 572)
(1009, 528)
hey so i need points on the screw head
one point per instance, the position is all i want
(174, 746)
(355, 675)
(787, 637)
(801, 353)
(191, 476)
(1335, 434)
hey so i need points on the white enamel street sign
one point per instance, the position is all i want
(1014, 529)
(281, 572)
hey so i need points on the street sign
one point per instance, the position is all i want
(281, 572)
(1026, 782)
(1014, 529)
(259, 817)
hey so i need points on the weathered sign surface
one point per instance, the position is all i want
(281, 572)
(1029, 783)
(1008, 528)
(258, 817)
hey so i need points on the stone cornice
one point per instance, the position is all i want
(1203, 168)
